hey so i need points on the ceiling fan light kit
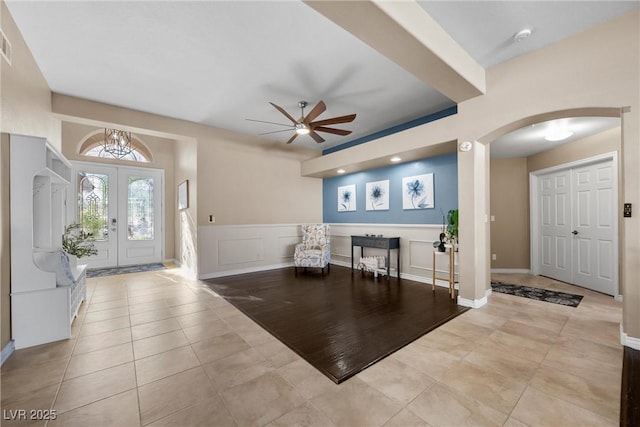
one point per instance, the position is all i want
(301, 129)
(306, 124)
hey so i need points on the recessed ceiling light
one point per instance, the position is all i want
(522, 34)
(395, 159)
(558, 135)
(341, 171)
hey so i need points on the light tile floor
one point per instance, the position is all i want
(160, 349)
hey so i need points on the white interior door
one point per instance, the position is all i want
(577, 226)
(594, 230)
(555, 225)
(122, 208)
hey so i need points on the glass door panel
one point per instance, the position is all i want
(140, 208)
(122, 208)
(96, 209)
(93, 204)
(141, 239)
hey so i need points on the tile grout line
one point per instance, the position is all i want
(55, 396)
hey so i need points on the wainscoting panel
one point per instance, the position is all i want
(240, 251)
(420, 254)
(233, 249)
(287, 246)
(416, 247)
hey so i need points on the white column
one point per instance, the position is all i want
(473, 202)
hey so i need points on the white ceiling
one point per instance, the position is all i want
(220, 62)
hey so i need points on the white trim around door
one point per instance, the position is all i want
(535, 212)
(134, 231)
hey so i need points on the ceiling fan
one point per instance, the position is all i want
(306, 126)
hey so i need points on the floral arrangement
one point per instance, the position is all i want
(75, 241)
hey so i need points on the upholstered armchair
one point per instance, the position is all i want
(314, 251)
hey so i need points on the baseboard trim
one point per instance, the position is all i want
(472, 303)
(511, 270)
(173, 260)
(244, 270)
(7, 351)
(421, 279)
(628, 341)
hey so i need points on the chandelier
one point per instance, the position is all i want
(117, 143)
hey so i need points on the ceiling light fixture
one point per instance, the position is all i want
(522, 34)
(558, 135)
(395, 159)
(302, 129)
(341, 171)
(117, 143)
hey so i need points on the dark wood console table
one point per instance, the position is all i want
(387, 243)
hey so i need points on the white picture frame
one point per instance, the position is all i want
(183, 195)
(377, 193)
(347, 198)
(417, 192)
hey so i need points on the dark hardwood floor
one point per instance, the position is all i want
(630, 399)
(341, 322)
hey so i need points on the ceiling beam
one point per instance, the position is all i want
(404, 32)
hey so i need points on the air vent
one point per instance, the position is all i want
(5, 48)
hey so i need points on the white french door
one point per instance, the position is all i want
(122, 208)
(576, 225)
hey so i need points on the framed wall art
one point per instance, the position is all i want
(183, 195)
(377, 195)
(347, 198)
(417, 192)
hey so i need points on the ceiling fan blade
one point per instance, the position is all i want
(279, 108)
(276, 131)
(332, 130)
(292, 138)
(273, 123)
(316, 137)
(315, 112)
(334, 120)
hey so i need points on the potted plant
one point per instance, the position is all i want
(77, 243)
(452, 227)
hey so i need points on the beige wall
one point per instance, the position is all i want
(163, 153)
(26, 99)
(242, 184)
(186, 229)
(604, 142)
(510, 208)
(25, 108)
(5, 244)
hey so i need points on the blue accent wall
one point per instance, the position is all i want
(445, 186)
(416, 122)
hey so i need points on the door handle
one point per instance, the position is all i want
(574, 232)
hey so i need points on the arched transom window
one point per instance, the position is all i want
(93, 147)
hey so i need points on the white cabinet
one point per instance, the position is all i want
(41, 311)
